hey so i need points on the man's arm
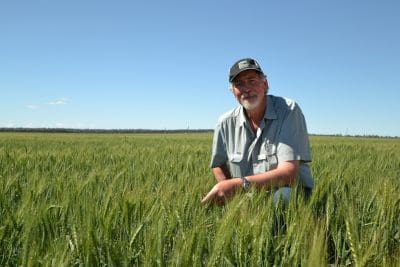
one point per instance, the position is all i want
(285, 174)
(221, 173)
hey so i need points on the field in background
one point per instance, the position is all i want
(134, 199)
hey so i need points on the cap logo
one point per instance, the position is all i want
(246, 63)
(243, 64)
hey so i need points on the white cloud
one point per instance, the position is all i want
(61, 101)
(33, 106)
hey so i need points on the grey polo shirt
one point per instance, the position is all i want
(281, 136)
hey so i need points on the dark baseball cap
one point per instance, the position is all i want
(242, 65)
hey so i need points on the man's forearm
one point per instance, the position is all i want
(221, 173)
(285, 174)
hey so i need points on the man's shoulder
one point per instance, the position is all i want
(229, 116)
(281, 102)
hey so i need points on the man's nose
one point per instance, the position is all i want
(245, 88)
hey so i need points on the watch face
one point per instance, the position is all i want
(246, 183)
(246, 186)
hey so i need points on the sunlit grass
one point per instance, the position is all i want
(114, 199)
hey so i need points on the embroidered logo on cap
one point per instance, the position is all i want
(247, 63)
(243, 64)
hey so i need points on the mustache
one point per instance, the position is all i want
(246, 95)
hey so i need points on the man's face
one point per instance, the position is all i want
(249, 89)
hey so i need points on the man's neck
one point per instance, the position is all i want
(255, 116)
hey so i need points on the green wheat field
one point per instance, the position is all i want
(134, 200)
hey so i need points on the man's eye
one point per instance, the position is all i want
(253, 81)
(239, 84)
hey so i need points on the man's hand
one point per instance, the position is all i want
(222, 190)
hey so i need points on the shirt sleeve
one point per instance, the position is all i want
(219, 155)
(293, 137)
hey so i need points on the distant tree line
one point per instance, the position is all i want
(71, 130)
(357, 135)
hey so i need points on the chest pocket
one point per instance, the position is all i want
(267, 159)
(236, 164)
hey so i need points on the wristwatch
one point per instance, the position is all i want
(245, 183)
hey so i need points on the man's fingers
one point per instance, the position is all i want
(206, 198)
(209, 196)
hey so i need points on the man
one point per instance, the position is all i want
(262, 143)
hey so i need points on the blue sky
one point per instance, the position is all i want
(164, 64)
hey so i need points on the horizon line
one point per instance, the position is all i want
(146, 130)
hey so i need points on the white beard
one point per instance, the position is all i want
(251, 104)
